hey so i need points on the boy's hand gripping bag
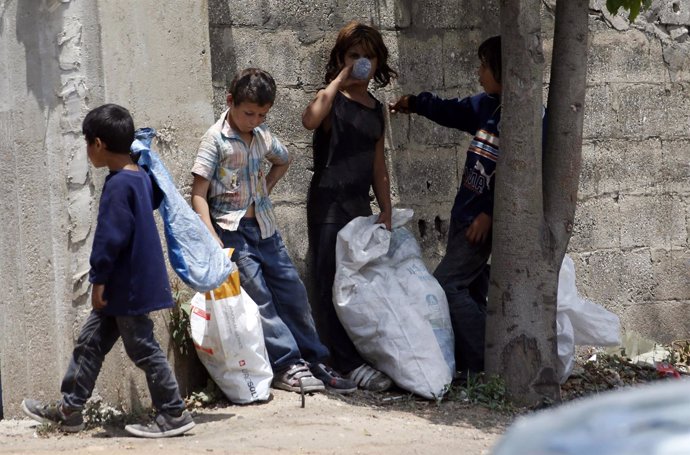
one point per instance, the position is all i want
(227, 334)
(394, 310)
(194, 254)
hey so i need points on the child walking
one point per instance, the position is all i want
(463, 271)
(129, 280)
(231, 194)
(348, 142)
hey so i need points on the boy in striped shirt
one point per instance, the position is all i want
(231, 194)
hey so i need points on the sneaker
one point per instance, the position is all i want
(369, 378)
(332, 380)
(55, 413)
(297, 374)
(163, 426)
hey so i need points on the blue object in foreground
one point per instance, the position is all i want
(194, 254)
(645, 420)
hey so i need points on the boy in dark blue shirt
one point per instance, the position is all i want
(129, 280)
(463, 271)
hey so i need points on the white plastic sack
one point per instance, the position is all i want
(645, 420)
(580, 321)
(394, 310)
(194, 254)
(565, 339)
(226, 331)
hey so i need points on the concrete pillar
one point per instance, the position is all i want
(58, 59)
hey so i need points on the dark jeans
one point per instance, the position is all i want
(344, 355)
(464, 275)
(268, 275)
(97, 337)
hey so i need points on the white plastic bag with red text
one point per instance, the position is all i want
(227, 334)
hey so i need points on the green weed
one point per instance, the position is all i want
(179, 317)
(481, 389)
(209, 396)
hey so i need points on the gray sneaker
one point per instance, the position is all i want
(163, 426)
(55, 413)
(297, 374)
(369, 378)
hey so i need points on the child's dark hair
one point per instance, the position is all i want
(253, 85)
(489, 53)
(112, 124)
(355, 33)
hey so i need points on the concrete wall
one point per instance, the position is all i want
(631, 237)
(58, 59)
(432, 44)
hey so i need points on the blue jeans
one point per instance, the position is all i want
(268, 275)
(464, 275)
(97, 337)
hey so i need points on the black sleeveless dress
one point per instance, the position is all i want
(344, 162)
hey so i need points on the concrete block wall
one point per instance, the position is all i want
(630, 243)
(169, 66)
(433, 46)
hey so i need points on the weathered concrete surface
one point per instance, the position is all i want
(631, 235)
(62, 58)
(169, 66)
(47, 202)
(632, 225)
(432, 44)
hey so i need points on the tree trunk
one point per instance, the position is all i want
(521, 314)
(563, 155)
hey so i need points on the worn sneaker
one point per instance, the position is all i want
(297, 374)
(332, 380)
(163, 426)
(55, 413)
(369, 378)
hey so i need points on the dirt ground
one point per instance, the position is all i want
(328, 424)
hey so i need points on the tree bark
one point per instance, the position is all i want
(563, 154)
(521, 314)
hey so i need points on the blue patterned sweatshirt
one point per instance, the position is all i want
(127, 255)
(480, 116)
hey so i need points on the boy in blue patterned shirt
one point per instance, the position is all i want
(129, 280)
(231, 195)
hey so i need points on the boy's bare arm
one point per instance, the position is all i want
(200, 204)
(381, 184)
(321, 105)
(276, 173)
